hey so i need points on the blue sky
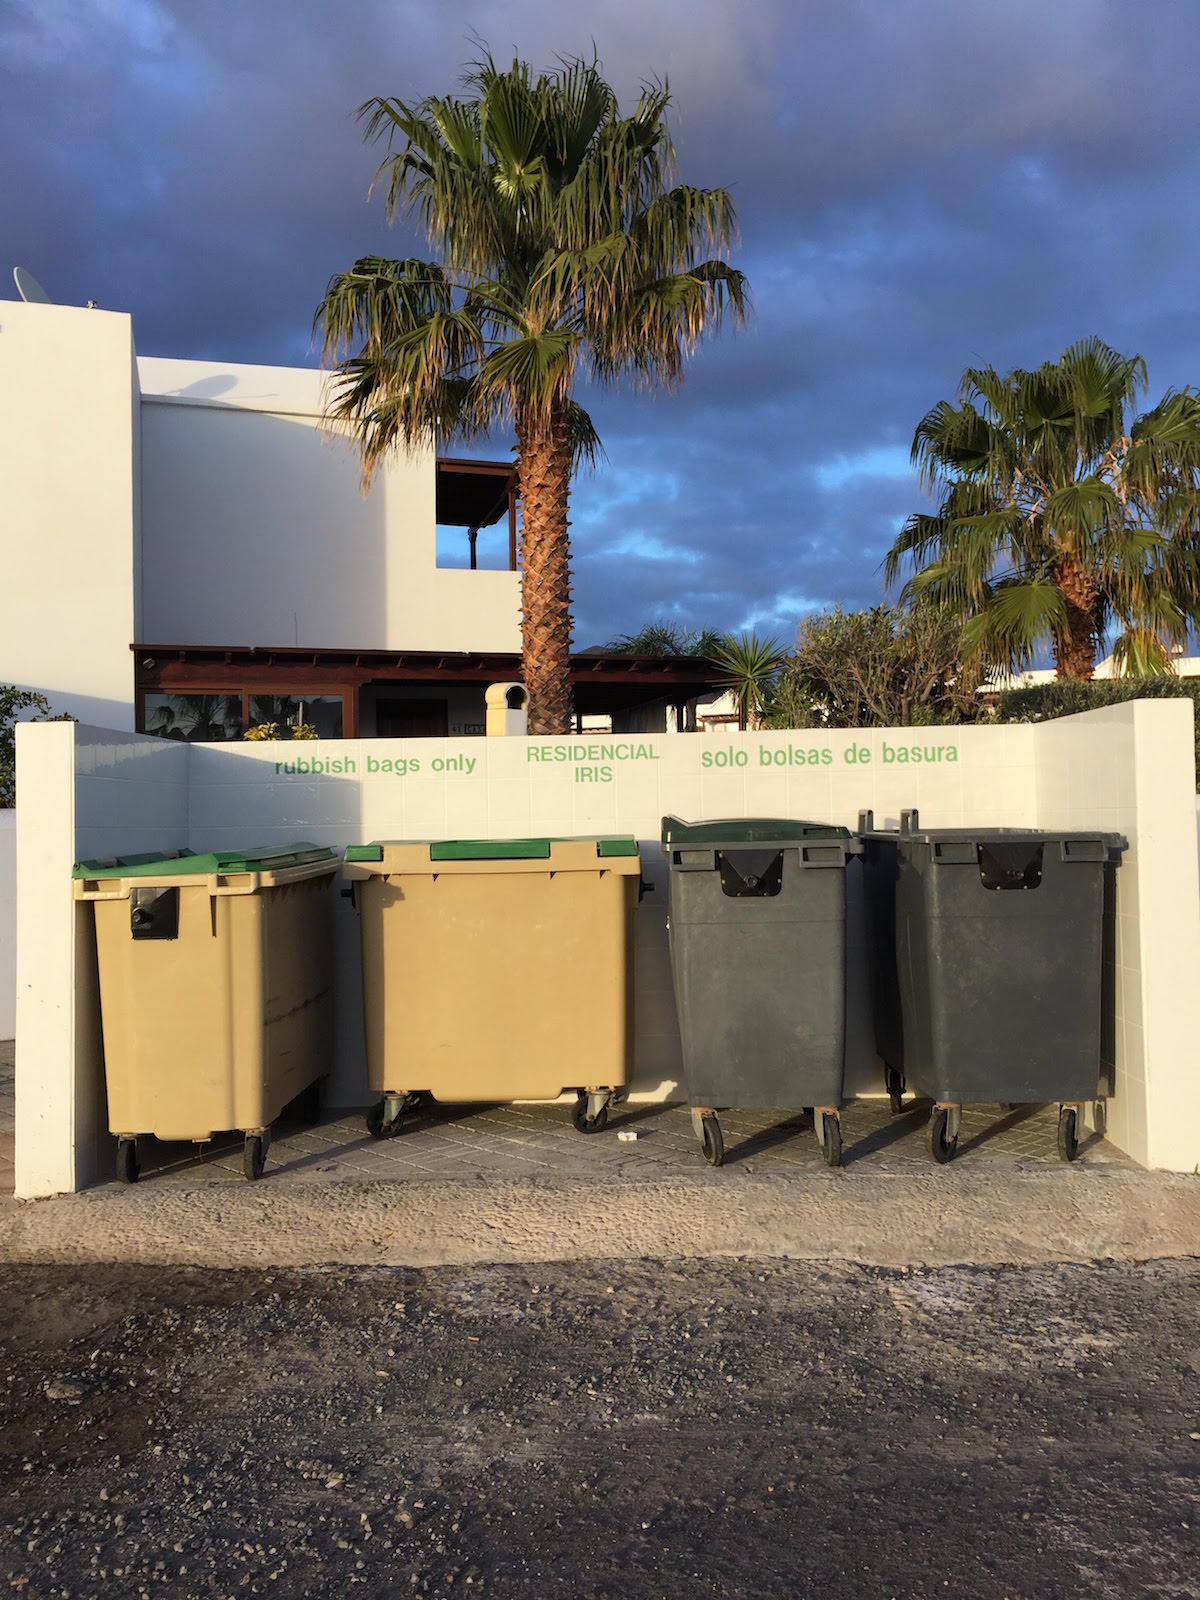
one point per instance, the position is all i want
(922, 184)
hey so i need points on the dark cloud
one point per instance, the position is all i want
(921, 186)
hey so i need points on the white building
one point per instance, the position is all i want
(190, 553)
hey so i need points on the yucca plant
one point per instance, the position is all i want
(1063, 515)
(562, 254)
(748, 666)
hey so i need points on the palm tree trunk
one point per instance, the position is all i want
(544, 471)
(1075, 650)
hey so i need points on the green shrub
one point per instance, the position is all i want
(886, 667)
(12, 703)
(1066, 697)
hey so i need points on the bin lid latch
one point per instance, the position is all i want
(750, 873)
(154, 913)
(1010, 866)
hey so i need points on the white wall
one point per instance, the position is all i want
(69, 419)
(1125, 769)
(256, 532)
(81, 793)
(1135, 774)
(8, 924)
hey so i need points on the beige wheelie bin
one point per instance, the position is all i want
(496, 970)
(216, 982)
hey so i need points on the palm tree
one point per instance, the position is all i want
(1063, 513)
(562, 255)
(665, 638)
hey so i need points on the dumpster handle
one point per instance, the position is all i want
(220, 884)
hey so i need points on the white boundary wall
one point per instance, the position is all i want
(86, 793)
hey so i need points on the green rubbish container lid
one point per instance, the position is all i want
(497, 849)
(178, 863)
(748, 830)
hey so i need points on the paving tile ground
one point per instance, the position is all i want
(504, 1142)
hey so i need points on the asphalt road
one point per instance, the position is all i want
(623, 1429)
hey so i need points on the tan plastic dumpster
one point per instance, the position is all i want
(215, 991)
(496, 970)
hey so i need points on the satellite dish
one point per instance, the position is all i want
(29, 288)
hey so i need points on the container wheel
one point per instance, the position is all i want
(128, 1170)
(712, 1142)
(1068, 1133)
(378, 1128)
(254, 1156)
(895, 1088)
(940, 1148)
(831, 1140)
(579, 1116)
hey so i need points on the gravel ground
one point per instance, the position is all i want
(617, 1429)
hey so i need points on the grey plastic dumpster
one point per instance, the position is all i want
(996, 965)
(758, 956)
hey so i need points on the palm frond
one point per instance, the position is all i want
(1019, 617)
(1141, 653)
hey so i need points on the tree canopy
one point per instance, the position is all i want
(888, 666)
(563, 253)
(663, 638)
(1063, 515)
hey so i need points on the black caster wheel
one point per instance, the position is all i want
(895, 1089)
(309, 1104)
(579, 1116)
(712, 1142)
(128, 1170)
(254, 1156)
(940, 1148)
(831, 1141)
(1068, 1133)
(378, 1128)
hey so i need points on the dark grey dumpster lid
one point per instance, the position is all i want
(748, 830)
(911, 830)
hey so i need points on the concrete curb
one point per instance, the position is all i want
(940, 1219)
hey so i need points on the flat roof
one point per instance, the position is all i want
(601, 681)
(473, 494)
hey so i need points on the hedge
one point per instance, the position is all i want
(1066, 697)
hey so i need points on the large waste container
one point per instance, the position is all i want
(496, 970)
(216, 983)
(987, 952)
(758, 955)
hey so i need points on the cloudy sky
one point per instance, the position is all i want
(921, 184)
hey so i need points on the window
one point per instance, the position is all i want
(203, 717)
(454, 547)
(196, 718)
(321, 711)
